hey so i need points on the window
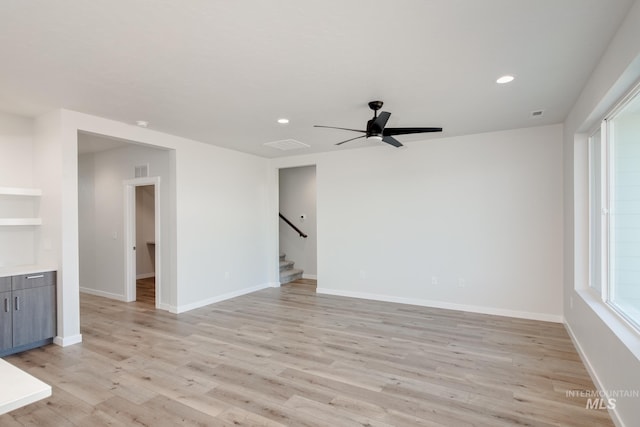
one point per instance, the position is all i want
(614, 210)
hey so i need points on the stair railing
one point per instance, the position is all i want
(300, 232)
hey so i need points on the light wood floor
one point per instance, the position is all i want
(290, 357)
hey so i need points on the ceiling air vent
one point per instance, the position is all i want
(537, 114)
(286, 144)
(142, 171)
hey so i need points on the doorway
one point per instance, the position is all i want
(297, 226)
(142, 246)
(145, 244)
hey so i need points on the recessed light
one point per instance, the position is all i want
(283, 121)
(142, 123)
(505, 79)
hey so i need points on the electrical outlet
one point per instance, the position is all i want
(363, 274)
(434, 280)
(462, 283)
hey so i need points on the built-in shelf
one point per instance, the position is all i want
(20, 221)
(18, 191)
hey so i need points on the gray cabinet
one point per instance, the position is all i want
(6, 333)
(28, 311)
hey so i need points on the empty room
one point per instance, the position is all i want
(320, 213)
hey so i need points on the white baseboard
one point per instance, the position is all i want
(145, 275)
(309, 276)
(615, 417)
(212, 300)
(167, 307)
(65, 341)
(274, 284)
(446, 305)
(103, 294)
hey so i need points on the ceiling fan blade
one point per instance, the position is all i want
(333, 127)
(380, 122)
(404, 131)
(392, 141)
(357, 137)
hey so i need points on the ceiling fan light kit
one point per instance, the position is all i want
(376, 128)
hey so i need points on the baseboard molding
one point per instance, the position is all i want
(66, 341)
(446, 305)
(615, 417)
(103, 294)
(219, 298)
(274, 285)
(145, 276)
(166, 307)
(309, 276)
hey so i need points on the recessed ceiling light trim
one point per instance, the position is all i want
(142, 123)
(505, 79)
(283, 121)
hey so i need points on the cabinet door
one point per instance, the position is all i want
(6, 332)
(34, 315)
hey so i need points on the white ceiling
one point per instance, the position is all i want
(222, 72)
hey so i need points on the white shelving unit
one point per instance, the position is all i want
(17, 191)
(8, 192)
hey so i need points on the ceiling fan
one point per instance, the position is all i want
(376, 128)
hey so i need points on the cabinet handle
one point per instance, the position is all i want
(39, 276)
(6, 305)
(17, 303)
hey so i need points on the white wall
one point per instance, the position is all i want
(485, 209)
(145, 231)
(221, 201)
(297, 190)
(609, 347)
(16, 170)
(16, 151)
(102, 223)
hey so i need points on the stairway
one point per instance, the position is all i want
(287, 272)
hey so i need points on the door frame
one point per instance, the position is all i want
(130, 236)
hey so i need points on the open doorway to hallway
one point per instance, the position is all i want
(298, 229)
(111, 255)
(145, 244)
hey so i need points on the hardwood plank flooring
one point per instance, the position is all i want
(290, 357)
(146, 290)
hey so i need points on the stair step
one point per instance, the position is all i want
(286, 265)
(290, 275)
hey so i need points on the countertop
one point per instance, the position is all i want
(16, 270)
(17, 388)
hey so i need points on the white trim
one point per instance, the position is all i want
(274, 284)
(615, 417)
(145, 275)
(310, 276)
(219, 298)
(545, 317)
(117, 297)
(66, 341)
(166, 307)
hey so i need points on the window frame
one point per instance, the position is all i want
(607, 236)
